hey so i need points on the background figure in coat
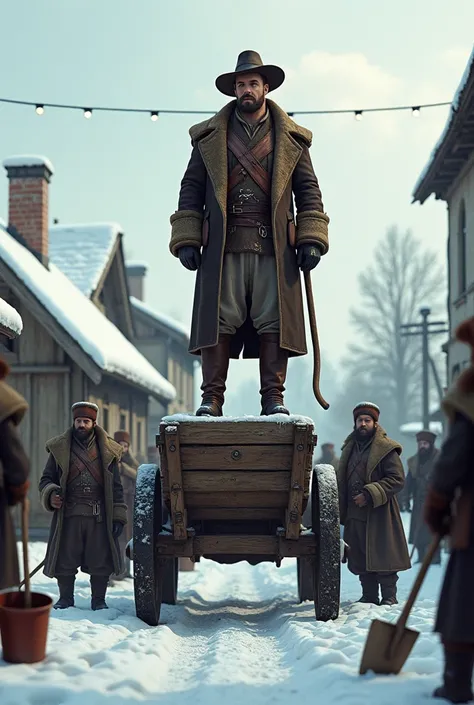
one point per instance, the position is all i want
(235, 224)
(370, 475)
(449, 507)
(328, 456)
(81, 485)
(128, 467)
(420, 468)
(14, 472)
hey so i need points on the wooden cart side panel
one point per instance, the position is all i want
(236, 513)
(235, 456)
(303, 446)
(244, 500)
(248, 433)
(204, 482)
(240, 545)
(175, 482)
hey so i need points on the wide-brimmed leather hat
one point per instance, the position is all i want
(250, 62)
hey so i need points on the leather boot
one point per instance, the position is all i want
(98, 589)
(215, 365)
(66, 592)
(273, 367)
(388, 587)
(457, 686)
(370, 588)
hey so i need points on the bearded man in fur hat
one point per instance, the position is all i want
(128, 467)
(420, 469)
(449, 508)
(14, 473)
(370, 476)
(81, 486)
(328, 456)
(236, 225)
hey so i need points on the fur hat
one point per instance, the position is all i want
(428, 436)
(122, 436)
(465, 334)
(85, 410)
(328, 446)
(367, 408)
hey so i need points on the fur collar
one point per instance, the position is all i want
(380, 447)
(60, 448)
(211, 139)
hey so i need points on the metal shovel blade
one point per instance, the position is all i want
(386, 650)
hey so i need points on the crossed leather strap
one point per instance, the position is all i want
(249, 161)
(80, 460)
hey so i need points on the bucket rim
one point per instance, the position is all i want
(37, 608)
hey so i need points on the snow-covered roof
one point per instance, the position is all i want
(82, 251)
(10, 318)
(92, 331)
(28, 160)
(452, 115)
(160, 317)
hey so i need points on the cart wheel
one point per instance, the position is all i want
(327, 570)
(147, 522)
(305, 574)
(170, 567)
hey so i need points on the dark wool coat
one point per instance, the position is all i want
(417, 481)
(14, 472)
(55, 476)
(453, 477)
(386, 546)
(128, 467)
(203, 201)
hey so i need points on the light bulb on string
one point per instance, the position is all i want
(358, 115)
(415, 111)
(39, 110)
(154, 115)
(87, 113)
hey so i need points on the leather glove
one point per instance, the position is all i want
(190, 257)
(436, 512)
(307, 257)
(17, 493)
(117, 528)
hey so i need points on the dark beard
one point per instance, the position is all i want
(82, 434)
(327, 458)
(252, 107)
(364, 436)
(424, 453)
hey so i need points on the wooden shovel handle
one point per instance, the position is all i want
(433, 547)
(25, 507)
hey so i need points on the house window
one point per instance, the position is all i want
(462, 247)
(123, 422)
(105, 420)
(139, 436)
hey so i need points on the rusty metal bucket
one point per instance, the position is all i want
(389, 645)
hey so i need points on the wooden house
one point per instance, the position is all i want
(68, 350)
(449, 176)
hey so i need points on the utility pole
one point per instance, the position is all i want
(425, 329)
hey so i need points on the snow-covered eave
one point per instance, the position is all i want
(161, 320)
(425, 186)
(80, 356)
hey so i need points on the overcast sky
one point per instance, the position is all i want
(154, 54)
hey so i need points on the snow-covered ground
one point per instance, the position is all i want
(237, 636)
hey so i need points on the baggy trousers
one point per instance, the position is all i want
(249, 284)
(85, 545)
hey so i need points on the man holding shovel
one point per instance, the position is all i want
(449, 508)
(81, 486)
(370, 475)
(14, 472)
(236, 225)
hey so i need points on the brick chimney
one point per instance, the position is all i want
(136, 276)
(29, 178)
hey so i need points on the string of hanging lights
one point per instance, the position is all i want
(87, 112)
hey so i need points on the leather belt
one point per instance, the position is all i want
(250, 215)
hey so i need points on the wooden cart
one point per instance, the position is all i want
(235, 489)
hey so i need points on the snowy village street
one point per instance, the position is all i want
(237, 636)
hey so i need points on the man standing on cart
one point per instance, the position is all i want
(236, 225)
